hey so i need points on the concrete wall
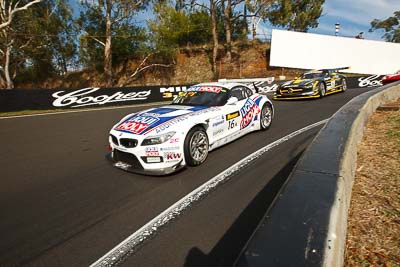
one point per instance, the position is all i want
(306, 226)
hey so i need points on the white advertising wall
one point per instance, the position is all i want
(314, 51)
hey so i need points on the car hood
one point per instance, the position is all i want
(298, 82)
(149, 120)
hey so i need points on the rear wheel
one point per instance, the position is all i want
(266, 117)
(321, 90)
(196, 146)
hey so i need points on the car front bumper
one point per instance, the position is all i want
(139, 169)
(128, 154)
(295, 94)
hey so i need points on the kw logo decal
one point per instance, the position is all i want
(173, 156)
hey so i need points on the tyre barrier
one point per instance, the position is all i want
(306, 225)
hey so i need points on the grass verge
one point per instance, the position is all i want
(373, 232)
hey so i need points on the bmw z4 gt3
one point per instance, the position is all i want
(162, 140)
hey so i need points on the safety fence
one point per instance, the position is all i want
(92, 97)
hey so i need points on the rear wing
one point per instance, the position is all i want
(337, 69)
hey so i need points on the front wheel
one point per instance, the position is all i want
(266, 117)
(321, 90)
(196, 146)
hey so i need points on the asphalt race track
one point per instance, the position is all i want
(62, 204)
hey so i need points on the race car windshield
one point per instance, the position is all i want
(312, 75)
(202, 96)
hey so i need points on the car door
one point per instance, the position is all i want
(232, 111)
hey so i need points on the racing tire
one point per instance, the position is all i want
(196, 146)
(344, 85)
(321, 90)
(265, 117)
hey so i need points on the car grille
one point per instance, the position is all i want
(126, 158)
(129, 143)
(114, 139)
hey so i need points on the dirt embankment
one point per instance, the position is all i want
(193, 65)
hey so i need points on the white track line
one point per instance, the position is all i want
(84, 110)
(128, 246)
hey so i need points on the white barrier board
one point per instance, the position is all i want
(315, 51)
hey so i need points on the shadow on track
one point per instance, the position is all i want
(229, 247)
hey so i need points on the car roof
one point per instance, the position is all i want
(227, 85)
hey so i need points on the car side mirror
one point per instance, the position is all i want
(232, 100)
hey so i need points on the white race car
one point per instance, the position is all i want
(162, 140)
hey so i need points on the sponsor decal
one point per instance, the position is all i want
(172, 156)
(217, 132)
(170, 92)
(137, 124)
(80, 98)
(248, 111)
(232, 115)
(153, 159)
(149, 114)
(370, 81)
(211, 89)
(151, 149)
(174, 140)
(217, 123)
(155, 153)
(264, 86)
(172, 148)
(164, 126)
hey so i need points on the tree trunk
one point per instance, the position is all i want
(215, 35)
(253, 28)
(9, 82)
(245, 25)
(107, 48)
(228, 32)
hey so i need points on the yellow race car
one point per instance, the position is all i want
(312, 84)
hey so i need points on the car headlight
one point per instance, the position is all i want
(308, 85)
(158, 139)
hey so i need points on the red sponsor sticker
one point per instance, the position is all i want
(133, 127)
(212, 89)
(248, 117)
(138, 123)
(152, 154)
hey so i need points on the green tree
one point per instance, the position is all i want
(173, 28)
(391, 26)
(9, 9)
(128, 39)
(42, 41)
(53, 48)
(296, 15)
(115, 13)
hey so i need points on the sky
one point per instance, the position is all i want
(354, 16)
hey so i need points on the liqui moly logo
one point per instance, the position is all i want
(82, 97)
(248, 111)
(137, 124)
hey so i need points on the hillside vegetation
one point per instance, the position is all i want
(193, 65)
